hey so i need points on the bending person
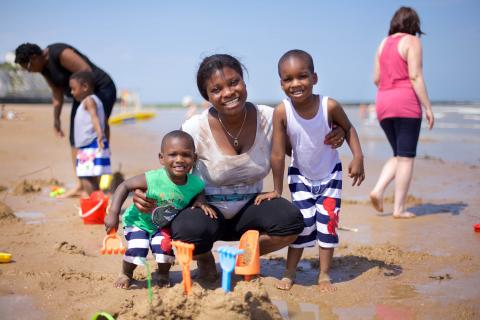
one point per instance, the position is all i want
(401, 92)
(57, 62)
(233, 140)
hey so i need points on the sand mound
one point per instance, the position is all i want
(66, 247)
(26, 186)
(249, 300)
(6, 213)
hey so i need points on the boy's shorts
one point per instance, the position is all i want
(319, 202)
(138, 242)
(93, 161)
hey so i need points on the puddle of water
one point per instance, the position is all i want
(449, 290)
(304, 311)
(354, 313)
(31, 217)
(15, 307)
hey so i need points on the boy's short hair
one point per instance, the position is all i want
(84, 77)
(180, 135)
(297, 53)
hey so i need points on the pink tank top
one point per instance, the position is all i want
(395, 96)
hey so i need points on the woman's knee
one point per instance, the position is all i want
(193, 226)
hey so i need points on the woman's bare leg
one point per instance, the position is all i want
(387, 174)
(403, 177)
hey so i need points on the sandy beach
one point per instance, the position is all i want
(423, 268)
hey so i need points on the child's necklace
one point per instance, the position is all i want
(235, 139)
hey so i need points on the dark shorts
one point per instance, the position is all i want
(277, 217)
(402, 133)
(108, 96)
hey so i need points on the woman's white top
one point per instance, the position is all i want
(231, 180)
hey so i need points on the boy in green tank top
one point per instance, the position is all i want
(173, 188)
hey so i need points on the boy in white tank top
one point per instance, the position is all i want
(315, 173)
(93, 154)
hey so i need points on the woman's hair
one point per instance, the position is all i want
(25, 51)
(84, 77)
(211, 64)
(405, 20)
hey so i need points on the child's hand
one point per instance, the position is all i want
(356, 171)
(206, 209)
(266, 196)
(111, 222)
(101, 145)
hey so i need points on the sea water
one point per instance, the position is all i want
(455, 136)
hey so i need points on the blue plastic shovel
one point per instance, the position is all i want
(228, 257)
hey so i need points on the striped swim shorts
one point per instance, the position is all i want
(138, 242)
(319, 202)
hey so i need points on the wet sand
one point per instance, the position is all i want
(423, 268)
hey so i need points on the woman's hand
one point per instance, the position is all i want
(266, 196)
(206, 209)
(356, 171)
(335, 137)
(143, 203)
(430, 118)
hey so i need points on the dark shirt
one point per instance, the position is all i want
(59, 76)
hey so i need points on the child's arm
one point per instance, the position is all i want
(118, 198)
(277, 157)
(91, 107)
(355, 168)
(201, 202)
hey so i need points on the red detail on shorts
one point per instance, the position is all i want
(329, 204)
(166, 243)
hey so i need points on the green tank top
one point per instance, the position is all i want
(165, 192)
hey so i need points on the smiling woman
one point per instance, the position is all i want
(233, 141)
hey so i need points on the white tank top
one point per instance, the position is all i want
(84, 132)
(231, 175)
(310, 155)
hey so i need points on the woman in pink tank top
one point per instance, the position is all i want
(401, 93)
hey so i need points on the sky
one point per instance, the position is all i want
(155, 47)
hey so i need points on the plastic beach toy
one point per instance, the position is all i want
(248, 263)
(112, 244)
(105, 181)
(184, 254)
(56, 191)
(476, 227)
(5, 257)
(103, 315)
(228, 256)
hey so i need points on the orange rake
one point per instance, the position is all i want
(184, 254)
(248, 263)
(112, 244)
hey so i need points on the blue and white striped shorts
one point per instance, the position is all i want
(138, 242)
(319, 201)
(93, 161)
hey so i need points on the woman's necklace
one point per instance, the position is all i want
(235, 139)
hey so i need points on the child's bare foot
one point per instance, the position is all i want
(287, 281)
(122, 282)
(162, 280)
(325, 284)
(404, 215)
(377, 201)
